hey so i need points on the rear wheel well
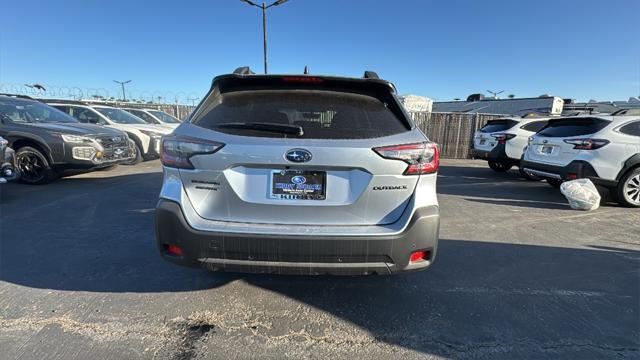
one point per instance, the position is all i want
(628, 170)
(20, 143)
(629, 165)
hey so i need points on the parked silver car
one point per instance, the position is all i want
(299, 174)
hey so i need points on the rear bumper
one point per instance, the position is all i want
(497, 154)
(297, 254)
(575, 169)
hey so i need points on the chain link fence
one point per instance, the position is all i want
(452, 131)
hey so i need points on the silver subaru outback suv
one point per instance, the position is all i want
(299, 174)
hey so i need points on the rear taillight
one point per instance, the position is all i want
(587, 143)
(422, 157)
(503, 137)
(176, 150)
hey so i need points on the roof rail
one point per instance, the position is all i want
(243, 70)
(17, 96)
(62, 101)
(371, 75)
(626, 111)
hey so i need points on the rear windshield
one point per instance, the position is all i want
(321, 114)
(498, 125)
(573, 127)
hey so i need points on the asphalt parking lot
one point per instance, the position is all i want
(518, 275)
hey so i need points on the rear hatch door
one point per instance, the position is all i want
(548, 145)
(483, 140)
(328, 176)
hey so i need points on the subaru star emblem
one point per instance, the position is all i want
(298, 155)
(545, 141)
(298, 179)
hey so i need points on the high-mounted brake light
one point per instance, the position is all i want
(422, 158)
(587, 143)
(303, 79)
(503, 137)
(176, 151)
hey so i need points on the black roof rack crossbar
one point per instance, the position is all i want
(17, 96)
(243, 70)
(371, 75)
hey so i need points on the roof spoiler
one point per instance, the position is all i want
(370, 75)
(243, 70)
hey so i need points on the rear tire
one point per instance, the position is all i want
(555, 183)
(528, 176)
(137, 159)
(627, 193)
(34, 166)
(499, 166)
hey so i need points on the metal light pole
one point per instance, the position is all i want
(264, 8)
(124, 97)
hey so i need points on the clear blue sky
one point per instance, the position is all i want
(444, 49)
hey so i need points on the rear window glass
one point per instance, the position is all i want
(320, 114)
(631, 129)
(535, 126)
(573, 127)
(498, 125)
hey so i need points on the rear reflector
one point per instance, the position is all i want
(173, 250)
(418, 256)
(422, 158)
(572, 176)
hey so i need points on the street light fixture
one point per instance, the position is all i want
(124, 97)
(495, 94)
(264, 8)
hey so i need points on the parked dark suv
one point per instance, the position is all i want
(49, 143)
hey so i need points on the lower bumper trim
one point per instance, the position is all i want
(542, 174)
(297, 254)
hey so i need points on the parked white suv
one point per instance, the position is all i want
(146, 137)
(155, 117)
(502, 141)
(603, 148)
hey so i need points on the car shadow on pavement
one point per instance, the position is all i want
(98, 237)
(492, 298)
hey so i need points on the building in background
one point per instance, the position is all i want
(476, 103)
(416, 103)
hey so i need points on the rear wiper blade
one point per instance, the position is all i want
(263, 126)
